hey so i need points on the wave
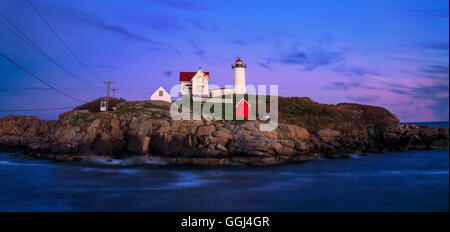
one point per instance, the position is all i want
(374, 173)
(6, 163)
(357, 156)
(184, 180)
(388, 172)
(417, 172)
(130, 161)
(107, 170)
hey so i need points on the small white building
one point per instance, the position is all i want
(103, 105)
(161, 95)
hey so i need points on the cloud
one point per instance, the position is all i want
(178, 4)
(436, 46)
(173, 49)
(115, 29)
(96, 22)
(363, 99)
(438, 93)
(168, 22)
(104, 66)
(240, 42)
(345, 86)
(436, 69)
(202, 24)
(354, 70)
(313, 59)
(199, 24)
(172, 22)
(197, 50)
(430, 94)
(24, 91)
(167, 73)
(159, 22)
(265, 64)
(325, 38)
(433, 71)
(440, 46)
(420, 13)
(428, 67)
(434, 90)
(252, 37)
(411, 98)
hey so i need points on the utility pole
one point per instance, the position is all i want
(114, 91)
(107, 98)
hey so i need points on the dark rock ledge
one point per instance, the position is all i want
(150, 132)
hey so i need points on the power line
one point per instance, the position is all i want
(34, 76)
(62, 41)
(41, 109)
(21, 35)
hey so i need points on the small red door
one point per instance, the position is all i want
(242, 109)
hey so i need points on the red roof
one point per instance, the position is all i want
(187, 76)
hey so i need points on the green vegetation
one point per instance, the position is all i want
(311, 115)
(119, 111)
(94, 106)
(82, 118)
(157, 116)
(343, 117)
(151, 105)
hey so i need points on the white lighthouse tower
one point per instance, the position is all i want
(239, 77)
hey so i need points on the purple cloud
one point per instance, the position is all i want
(427, 13)
(311, 60)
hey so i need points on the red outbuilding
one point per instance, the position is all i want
(243, 109)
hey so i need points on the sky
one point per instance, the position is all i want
(393, 54)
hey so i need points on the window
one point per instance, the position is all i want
(161, 93)
(200, 89)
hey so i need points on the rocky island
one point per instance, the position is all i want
(306, 131)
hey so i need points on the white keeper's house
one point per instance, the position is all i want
(195, 83)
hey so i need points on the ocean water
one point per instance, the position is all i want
(393, 181)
